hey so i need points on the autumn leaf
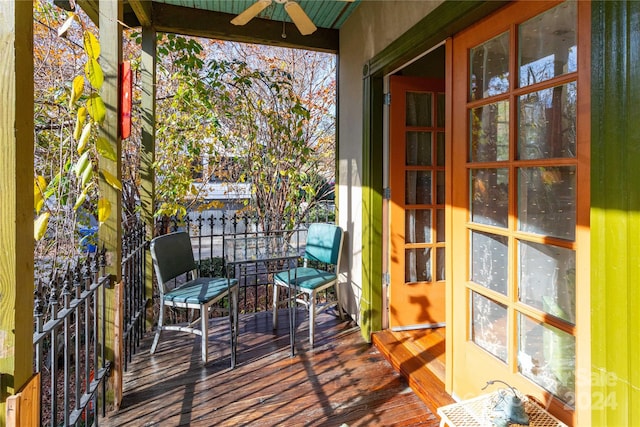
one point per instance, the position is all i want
(80, 119)
(104, 148)
(40, 225)
(104, 210)
(93, 71)
(87, 173)
(82, 197)
(111, 180)
(77, 87)
(96, 108)
(91, 45)
(84, 138)
(62, 31)
(39, 185)
(81, 164)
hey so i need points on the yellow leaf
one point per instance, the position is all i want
(82, 162)
(87, 174)
(62, 31)
(80, 118)
(96, 108)
(39, 185)
(82, 197)
(104, 148)
(84, 138)
(111, 180)
(40, 226)
(93, 71)
(91, 45)
(77, 87)
(104, 210)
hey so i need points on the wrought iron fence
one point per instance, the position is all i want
(134, 247)
(209, 230)
(69, 341)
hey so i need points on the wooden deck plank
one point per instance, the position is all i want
(343, 380)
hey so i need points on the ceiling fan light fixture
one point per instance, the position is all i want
(251, 12)
(299, 18)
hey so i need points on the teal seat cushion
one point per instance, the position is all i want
(306, 278)
(199, 291)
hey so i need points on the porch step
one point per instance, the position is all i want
(413, 362)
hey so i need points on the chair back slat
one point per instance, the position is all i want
(324, 242)
(172, 255)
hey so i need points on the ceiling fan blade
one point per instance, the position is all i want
(251, 12)
(299, 18)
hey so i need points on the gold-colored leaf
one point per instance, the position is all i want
(80, 119)
(40, 225)
(91, 45)
(104, 210)
(84, 138)
(96, 108)
(39, 186)
(82, 162)
(104, 148)
(93, 71)
(87, 174)
(62, 31)
(80, 200)
(77, 87)
(111, 180)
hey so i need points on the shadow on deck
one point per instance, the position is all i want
(343, 380)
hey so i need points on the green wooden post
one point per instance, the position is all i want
(615, 215)
(16, 198)
(111, 231)
(371, 300)
(148, 150)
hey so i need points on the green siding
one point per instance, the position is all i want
(615, 213)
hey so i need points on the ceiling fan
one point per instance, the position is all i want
(293, 9)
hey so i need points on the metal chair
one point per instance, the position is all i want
(324, 247)
(172, 256)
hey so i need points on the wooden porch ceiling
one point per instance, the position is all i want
(342, 380)
(212, 19)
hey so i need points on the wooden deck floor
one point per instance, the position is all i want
(343, 380)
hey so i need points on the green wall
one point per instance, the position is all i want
(615, 213)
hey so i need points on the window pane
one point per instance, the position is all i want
(548, 45)
(490, 132)
(440, 186)
(417, 265)
(418, 149)
(489, 325)
(547, 201)
(440, 262)
(419, 109)
(440, 113)
(547, 279)
(440, 225)
(547, 123)
(440, 150)
(489, 261)
(546, 355)
(418, 188)
(490, 196)
(417, 226)
(490, 68)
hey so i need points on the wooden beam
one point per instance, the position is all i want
(142, 9)
(148, 150)
(91, 8)
(110, 234)
(215, 25)
(16, 198)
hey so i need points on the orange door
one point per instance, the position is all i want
(417, 171)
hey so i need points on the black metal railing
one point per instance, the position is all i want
(69, 341)
(211, 231)
(134, 247)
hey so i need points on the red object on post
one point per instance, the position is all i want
(126, 81)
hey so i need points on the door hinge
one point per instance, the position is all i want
(387, 98)
(386, 193)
